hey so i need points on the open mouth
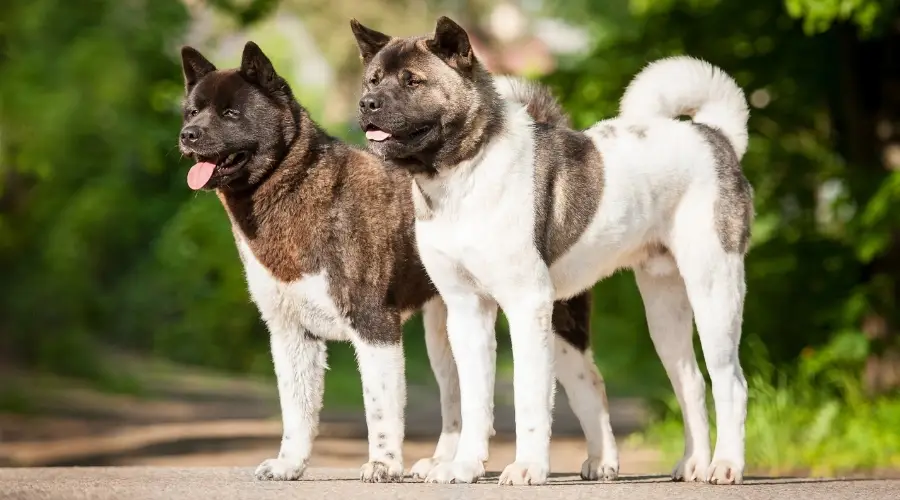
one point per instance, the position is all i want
(206, 166)
(376, 134)
(232, 162)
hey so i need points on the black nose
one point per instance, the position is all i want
(191, 134)
(369, 103)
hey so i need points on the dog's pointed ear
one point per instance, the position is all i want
(451, 43)
(369, 40)
(256, 68)
(195, 66)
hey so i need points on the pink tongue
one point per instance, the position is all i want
(377, 135)
(200, 174)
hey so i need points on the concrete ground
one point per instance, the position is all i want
(151, 483)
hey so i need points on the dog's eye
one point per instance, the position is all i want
(410, 79)
(194, 112)
(230, 113)
(373, 80)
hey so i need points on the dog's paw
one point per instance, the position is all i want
(455, 472)
(596, 469)
(280, 469)
(725, 472)
(423, 467)
(381, 472)
(690, 469)
(525, 473)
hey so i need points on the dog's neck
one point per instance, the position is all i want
(253, 204)
(483, 175)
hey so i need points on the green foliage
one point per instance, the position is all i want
(84, 159)
(819, 15)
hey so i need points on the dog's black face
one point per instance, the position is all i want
(237, 124)
(422, 96)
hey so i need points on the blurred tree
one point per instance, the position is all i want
(87, 114)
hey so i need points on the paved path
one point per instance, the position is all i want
(151, 483)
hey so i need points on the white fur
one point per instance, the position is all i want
(467, 250)
(660, 187)
(296, 312)
(384, 390)
(682, 85)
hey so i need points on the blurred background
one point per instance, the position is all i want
(126, 331)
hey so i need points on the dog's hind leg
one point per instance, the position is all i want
(444, 367)
(669, 320)
(578, 374)
(714, 279)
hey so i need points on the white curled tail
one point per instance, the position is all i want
(683, 85)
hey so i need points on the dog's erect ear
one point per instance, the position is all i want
(451, 43)
(369, 40)
(195, 66)
(256, 68)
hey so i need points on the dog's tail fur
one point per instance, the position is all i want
(682, 85)
(540, 103)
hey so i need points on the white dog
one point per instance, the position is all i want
(518, 214)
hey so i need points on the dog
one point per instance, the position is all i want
(515, 213)
(325, 235)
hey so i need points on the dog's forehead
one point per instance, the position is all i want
(405, 53)
(225, 87)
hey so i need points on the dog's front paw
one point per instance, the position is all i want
(690, 468)
(597, 469)
(381, 472)
(423, 467)
(280, 469)
(455, 472)
(725, 472)
(525, 473)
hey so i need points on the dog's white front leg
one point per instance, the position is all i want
(532, 339)
(300, 369)
(381, 366)
(470, 327)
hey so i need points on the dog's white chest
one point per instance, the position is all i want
(477, 226)
(305, 303)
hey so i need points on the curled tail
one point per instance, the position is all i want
(540, 103)
(683, 85)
